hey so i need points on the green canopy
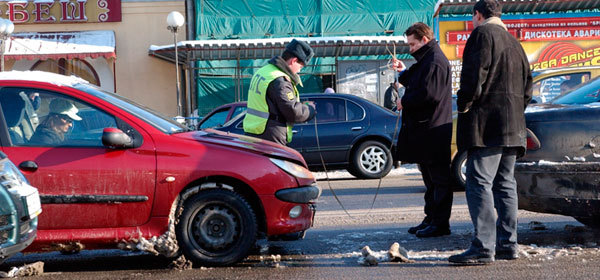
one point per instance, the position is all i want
(263, 19)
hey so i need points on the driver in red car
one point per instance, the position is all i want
(54, 127)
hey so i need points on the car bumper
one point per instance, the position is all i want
(26, 237)
(278, 218)
(306, 194)
(566, 188)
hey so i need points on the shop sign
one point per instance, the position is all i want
(548, 42)
(61, 11)
(563, 54)
(461, 37)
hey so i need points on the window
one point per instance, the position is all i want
(238, 110)
(355, 112)
(548, 88)
(216, 119)
(584, 94)
(330, 110)
(77, 67)
(58, 121)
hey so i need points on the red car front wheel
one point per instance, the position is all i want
(216, 227)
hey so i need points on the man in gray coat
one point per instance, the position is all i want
(495, 88)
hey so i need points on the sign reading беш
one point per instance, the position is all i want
(61, 11)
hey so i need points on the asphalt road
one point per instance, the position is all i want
(331, 249)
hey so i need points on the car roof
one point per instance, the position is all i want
(41, 76)
(563, 70)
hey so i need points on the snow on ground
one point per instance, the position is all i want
(406, 169)
(525, 252)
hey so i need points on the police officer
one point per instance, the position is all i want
(273, 101)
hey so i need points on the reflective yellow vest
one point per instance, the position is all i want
(257, 115)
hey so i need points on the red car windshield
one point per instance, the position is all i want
(154, 118)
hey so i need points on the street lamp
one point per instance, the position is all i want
(174, 21)
(6, 28)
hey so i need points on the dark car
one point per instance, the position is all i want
(559, 174)
(19, 210)
(221, 115)
(353, 134)
(123, 174)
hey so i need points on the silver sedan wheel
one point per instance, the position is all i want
(373, 159)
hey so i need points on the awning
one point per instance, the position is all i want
(237, 49)
(459, 7)
(55, 45)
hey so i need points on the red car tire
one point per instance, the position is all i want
(217, 227)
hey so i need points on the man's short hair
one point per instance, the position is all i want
(419, 30)
(488, 8)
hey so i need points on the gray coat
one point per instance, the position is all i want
(495, 88)
(282, 109)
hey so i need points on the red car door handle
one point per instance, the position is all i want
(28, 165)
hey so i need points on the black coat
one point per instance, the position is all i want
(46, 136)
(426, 131)
(495, 88)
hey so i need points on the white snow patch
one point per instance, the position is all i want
(525, 251)
(432, 255)
(545, 162)
(40, 76)
(406, 169)
(581, 159)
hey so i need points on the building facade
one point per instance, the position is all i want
(103, 41)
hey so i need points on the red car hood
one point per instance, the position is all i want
(244, 142)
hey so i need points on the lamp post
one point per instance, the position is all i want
(174, 21)
(6, 29)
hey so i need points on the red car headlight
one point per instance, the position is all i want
(292, 168)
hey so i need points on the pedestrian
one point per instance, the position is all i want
(329, 90)
(273, 101)
(426, 131)
(495, 88)
(390, 98)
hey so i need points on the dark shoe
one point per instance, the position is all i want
(507, 255)
(421, 226)
(471, 257)
(433, 231)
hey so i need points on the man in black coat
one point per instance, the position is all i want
(495, 88)
(426, 130)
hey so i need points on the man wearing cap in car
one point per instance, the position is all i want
(58, 122)
(273, 100)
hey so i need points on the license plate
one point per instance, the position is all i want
(34, 207)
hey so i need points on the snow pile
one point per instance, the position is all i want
(270, 261)
(407, 169)
(34, 269)
(545, 162)
(367, 257)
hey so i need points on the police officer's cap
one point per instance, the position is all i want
(301, 50)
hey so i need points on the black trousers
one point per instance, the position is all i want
(438, 196)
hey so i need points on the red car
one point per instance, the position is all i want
(111, 172)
